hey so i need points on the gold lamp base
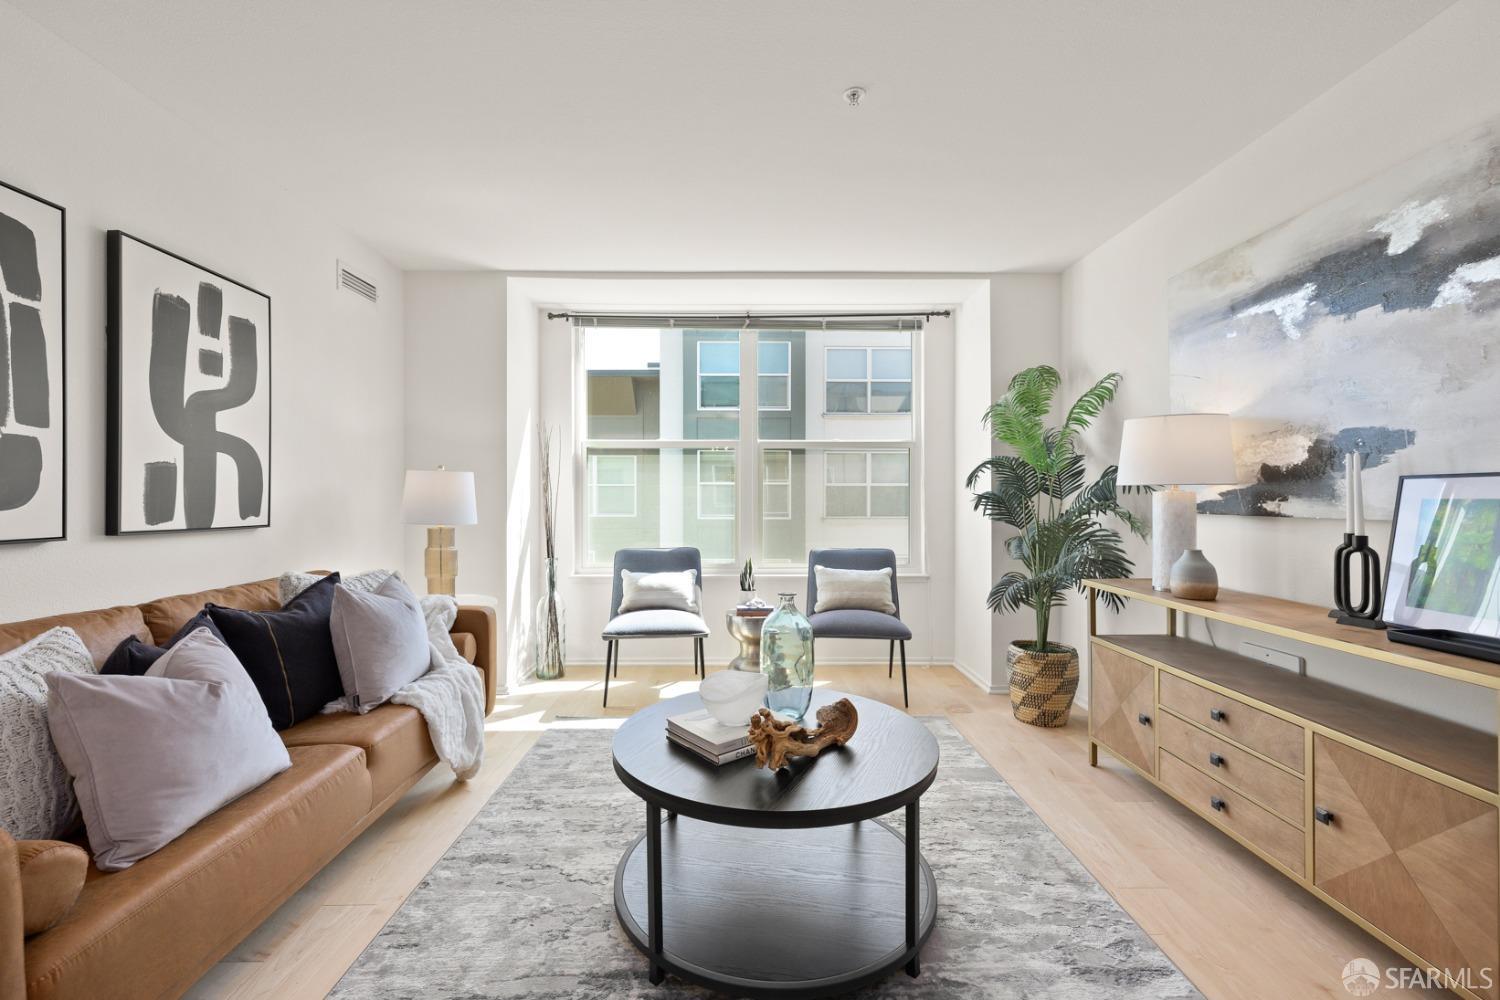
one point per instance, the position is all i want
(441, 562)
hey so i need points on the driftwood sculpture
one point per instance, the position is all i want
(775, 740)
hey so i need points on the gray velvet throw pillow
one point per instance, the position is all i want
(379, 640)
(150, 756)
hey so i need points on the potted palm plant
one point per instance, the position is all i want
(1042, 491)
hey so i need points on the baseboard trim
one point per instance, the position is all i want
(982, 683)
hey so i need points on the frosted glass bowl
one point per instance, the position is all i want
(732, 696)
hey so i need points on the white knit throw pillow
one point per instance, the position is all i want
(293, 583)
(36, 796)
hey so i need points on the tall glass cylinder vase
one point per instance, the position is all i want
(786, 658)
(551, 632)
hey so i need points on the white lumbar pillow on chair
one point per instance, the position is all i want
(854, 590)
(674, 591)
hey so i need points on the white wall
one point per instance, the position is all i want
(80, 137)
(1025, 320)
(1435, 83)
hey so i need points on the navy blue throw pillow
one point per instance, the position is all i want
(287, 653)
(134, 657)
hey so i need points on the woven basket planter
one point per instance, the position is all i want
(1042, 685)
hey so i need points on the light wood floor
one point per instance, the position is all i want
(1235, 928)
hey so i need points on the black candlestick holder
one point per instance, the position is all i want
(1365, 614)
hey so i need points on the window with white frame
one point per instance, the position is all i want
(612, 486)
(867, 380)
(716, 485)
(718, 375)
(776, 485)
(867, 484)
(774, 373)
(674, 450)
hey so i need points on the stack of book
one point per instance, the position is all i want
(709, 738)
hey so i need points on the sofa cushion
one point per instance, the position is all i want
(133, 658)
(292, 582)
(641, 624)
(165, 615)
(379, 640)
(287, 653)
(854, 624)
(52, 874)
(101, 631)
(36, 797)
(152, 756)
(154, 928)
(394, 738)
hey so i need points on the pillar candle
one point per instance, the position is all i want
(1359, 495)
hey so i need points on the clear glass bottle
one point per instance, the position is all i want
(551, 634)
(786, 658)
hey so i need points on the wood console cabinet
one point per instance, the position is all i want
(1386, 814)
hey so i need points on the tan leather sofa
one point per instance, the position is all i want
(153, 929)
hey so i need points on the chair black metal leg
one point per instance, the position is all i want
(609, 655)
(905, 698)
(617, 661)
(702, 658)
(890, 665)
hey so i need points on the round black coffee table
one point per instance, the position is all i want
(779, 884)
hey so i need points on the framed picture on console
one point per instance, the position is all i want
(189, 395)
(33, 322)
(1443, 572)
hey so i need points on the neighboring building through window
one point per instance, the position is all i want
(716, 485)
(718, 375)
(819, 454)
(867, 380)
(612, 485)
(867, 484)
(776, 485)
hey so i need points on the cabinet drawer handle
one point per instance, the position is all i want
(1217, 714)
(1143, 719)
(1323, 816)
(1216, 759)
(1219, 804)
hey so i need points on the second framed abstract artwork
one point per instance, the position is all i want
(190, 395)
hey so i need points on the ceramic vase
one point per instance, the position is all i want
(1194, 577)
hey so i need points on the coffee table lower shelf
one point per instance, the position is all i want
(777, 913)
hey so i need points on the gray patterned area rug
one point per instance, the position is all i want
(522, 904)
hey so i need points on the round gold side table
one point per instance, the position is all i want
(745, 629)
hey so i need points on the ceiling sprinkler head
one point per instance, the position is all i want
(854, 96)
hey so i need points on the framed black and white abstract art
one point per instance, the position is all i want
(190, 395)
(33, 320)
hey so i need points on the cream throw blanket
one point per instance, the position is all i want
(450, 695)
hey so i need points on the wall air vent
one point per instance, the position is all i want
(363, 287)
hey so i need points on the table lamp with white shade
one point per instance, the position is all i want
(439, 499)
(1172, 451)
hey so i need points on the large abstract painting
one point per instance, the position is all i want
(1371, 323)
(190, 385)
(33, 439)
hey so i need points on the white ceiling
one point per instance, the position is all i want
(711, 136)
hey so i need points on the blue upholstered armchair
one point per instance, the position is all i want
(849, 623)
(653, 623)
